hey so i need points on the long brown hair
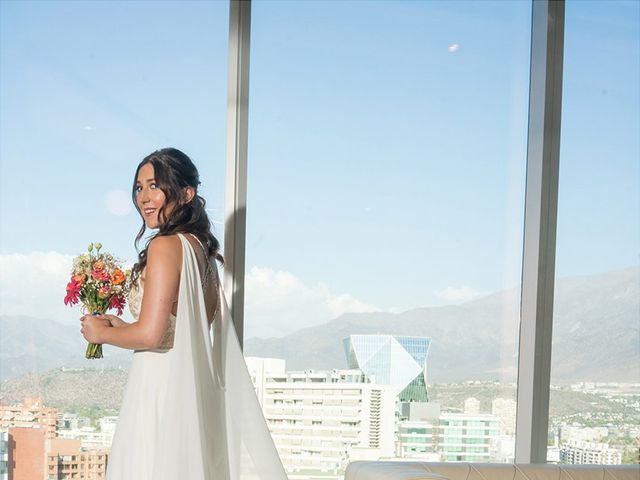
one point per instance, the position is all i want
(173, 171)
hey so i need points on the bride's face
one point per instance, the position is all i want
(150, 198)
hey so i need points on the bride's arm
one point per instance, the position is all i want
(113, 320)
(162, 281)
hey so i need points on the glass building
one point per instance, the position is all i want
(392, 360)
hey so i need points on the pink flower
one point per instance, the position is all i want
(100, 275)
(73, 290)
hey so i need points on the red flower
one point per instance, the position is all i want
(73, 289)
(117, 302)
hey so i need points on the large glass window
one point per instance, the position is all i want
(595, 375)
(387, 146)
(87, 90)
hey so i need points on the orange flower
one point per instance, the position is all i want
(118, 277)
(79, 279)
(99, 265)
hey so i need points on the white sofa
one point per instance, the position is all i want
(401, 470)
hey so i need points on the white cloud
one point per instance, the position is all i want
(34, 284)
(453, 48)
(118, 202)
(278, 303)
(339, 304)
(457, 294)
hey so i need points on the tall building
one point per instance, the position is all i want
(27, 447)
(321, 420)
(394, 360)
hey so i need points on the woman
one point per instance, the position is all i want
(189, 409)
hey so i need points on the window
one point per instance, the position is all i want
(596, 348)
(82, 104)
(386, 163)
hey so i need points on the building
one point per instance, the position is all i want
(72, 421)
(579, 452)
(89, 437)
(505, 409)
(418, 431)
(569, 433)
(4, 455)
(78, 428)
(33, 456)
(426, 433)
(27, 448)
(321, 420)
(395, 360)
(468, 437)
(30, 414)
(260, 369)
(67, 459)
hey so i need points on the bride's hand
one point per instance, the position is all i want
(113, 320)
(92, 326)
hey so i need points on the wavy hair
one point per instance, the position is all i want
(173, 171)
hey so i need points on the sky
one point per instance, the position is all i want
(387, 145)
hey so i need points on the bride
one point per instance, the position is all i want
(189, 409)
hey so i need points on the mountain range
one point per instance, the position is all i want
(596, 336)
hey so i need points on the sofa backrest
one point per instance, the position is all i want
(416, 470)
(498, 471)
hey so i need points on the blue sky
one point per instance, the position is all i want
(386, 141)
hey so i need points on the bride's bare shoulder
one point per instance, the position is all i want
(164, 252)
(165, 249)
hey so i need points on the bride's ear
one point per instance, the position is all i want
(189, 193)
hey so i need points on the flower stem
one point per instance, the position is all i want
(94, 350)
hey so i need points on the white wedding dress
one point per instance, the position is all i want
(189, 409)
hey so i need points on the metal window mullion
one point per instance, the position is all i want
(235, 205)
(541, 203)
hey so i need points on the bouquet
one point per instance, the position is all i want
(99, 282)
